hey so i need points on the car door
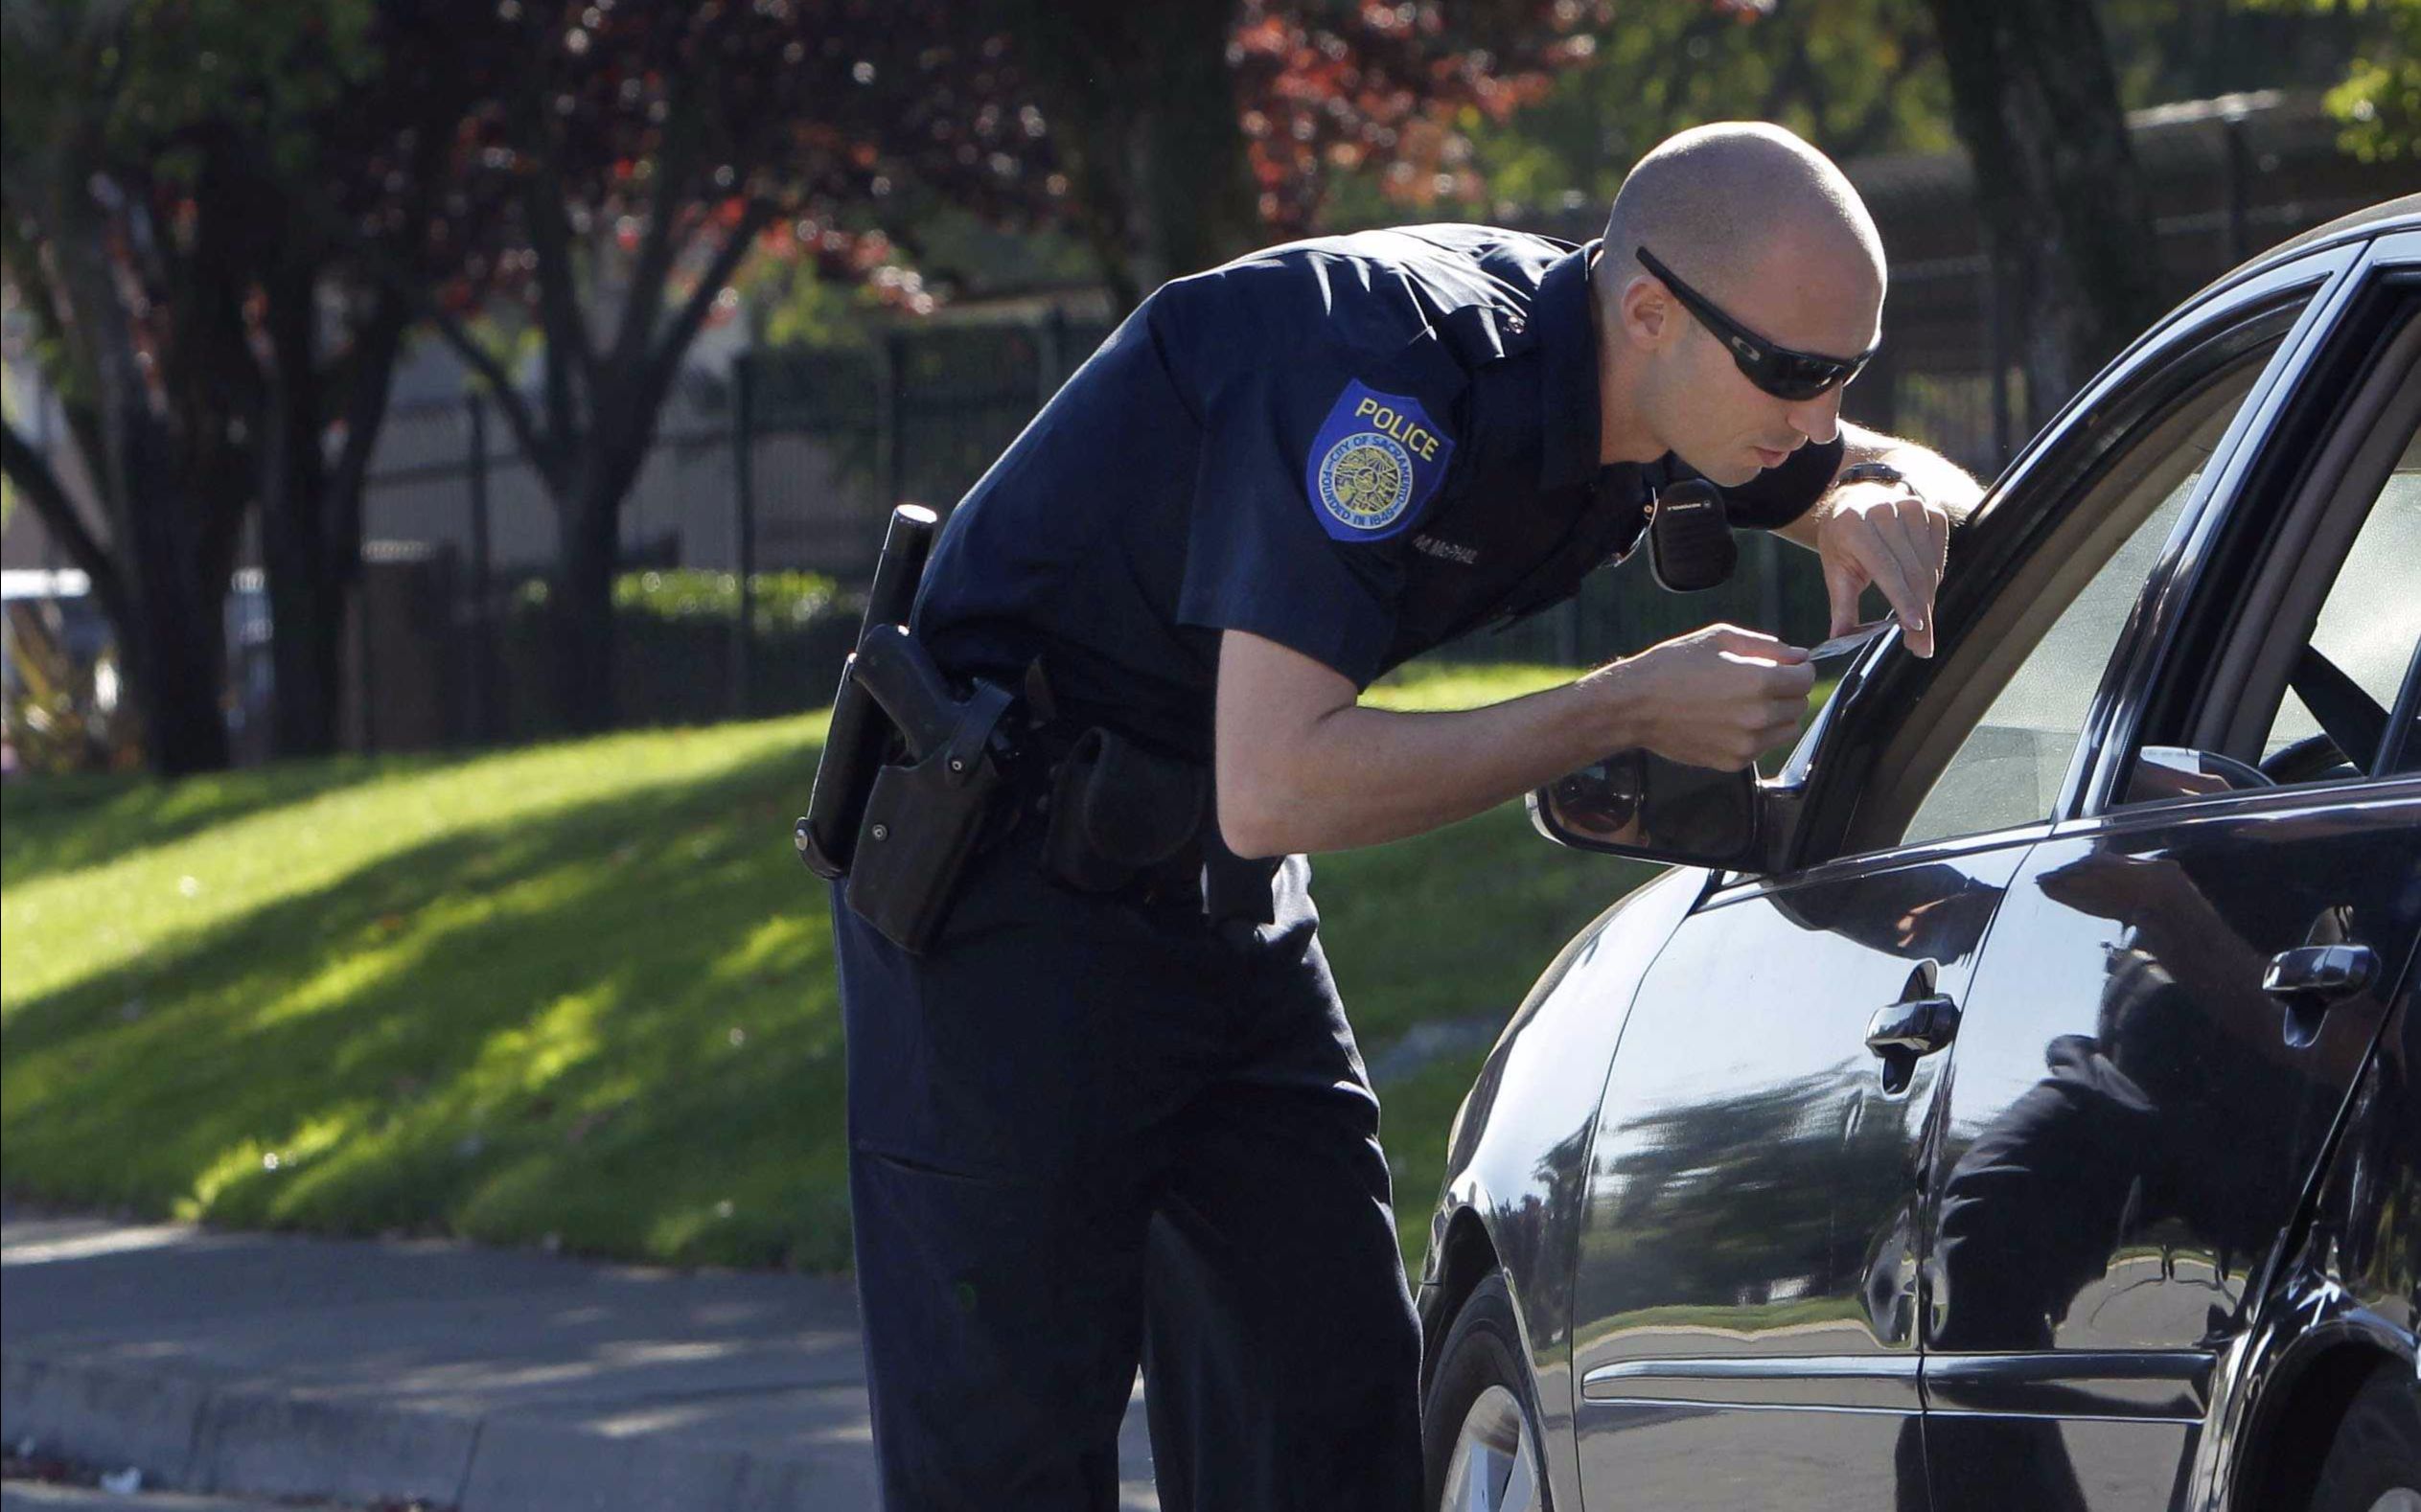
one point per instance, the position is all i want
(2185, 977)
(1744, 1319)
(1748, 1291)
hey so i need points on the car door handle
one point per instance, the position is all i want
(2319, 974)
(1919, 1026)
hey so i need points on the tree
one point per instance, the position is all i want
(1190, 132)
(125, 283)
(167, 226)
(2028, 84)
(356, 180)
(1854, 76)
(1330, 86)
(1141, 104)
(2378, 95)
(639, 154)
(1860, 77)
(2065, 219)
(649, 148)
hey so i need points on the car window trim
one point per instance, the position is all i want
(2316, 798)
(2400, 754)
(2399, 253)
(2114, 718)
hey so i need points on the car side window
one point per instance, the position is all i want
(2317, 595)
(2370, 622)
(2010, 767)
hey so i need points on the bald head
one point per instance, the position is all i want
(1768, 233)
(1718, 203)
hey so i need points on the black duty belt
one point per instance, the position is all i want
(964, 763)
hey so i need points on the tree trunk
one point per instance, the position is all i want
(603, 466)
(1162, 176)
(176, 697)
(172, 642)
(175, 654)
(582, 604)
(2036, 102)
(306, 602)
(1197, 197)
(310, 512)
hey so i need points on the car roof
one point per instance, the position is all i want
(2399, 214)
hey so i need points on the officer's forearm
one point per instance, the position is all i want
(1291, 779)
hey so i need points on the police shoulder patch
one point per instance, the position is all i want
(1378, 459)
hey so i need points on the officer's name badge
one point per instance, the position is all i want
(1378, 459)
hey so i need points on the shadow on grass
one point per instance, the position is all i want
(615, 1025)
(56, 824)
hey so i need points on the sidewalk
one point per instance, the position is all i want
(488, 1381)
(33, 1496)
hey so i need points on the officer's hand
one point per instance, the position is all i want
(1880, 534)
(1715, 698)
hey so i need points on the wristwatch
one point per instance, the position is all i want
(1875, 472)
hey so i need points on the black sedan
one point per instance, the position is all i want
(2012, 1104)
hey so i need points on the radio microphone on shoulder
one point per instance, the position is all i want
(1689, 543)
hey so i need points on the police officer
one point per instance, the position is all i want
(1099, 1120)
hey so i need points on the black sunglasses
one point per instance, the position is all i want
(1779, 370)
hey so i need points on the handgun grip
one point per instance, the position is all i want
(910, 688)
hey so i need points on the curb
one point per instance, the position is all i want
(195, 1434)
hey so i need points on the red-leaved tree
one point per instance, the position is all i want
(1194, 129)
(643, 151)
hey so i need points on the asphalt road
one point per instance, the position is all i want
(491, 1381)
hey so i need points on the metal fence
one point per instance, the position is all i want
(785, 463)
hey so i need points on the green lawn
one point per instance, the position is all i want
(579, 991)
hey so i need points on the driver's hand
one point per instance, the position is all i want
(1880, 534)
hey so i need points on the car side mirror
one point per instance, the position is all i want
(1637, 803)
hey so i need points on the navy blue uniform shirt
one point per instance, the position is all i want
(1358, 446)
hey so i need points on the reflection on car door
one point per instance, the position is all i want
(2173, 1007)
(1745, 1313)
(2130, 1120)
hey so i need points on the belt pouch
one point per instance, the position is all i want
(922, 822)
(1118, 810)
(1234, 887)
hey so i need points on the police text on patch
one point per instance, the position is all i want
(1414, 438)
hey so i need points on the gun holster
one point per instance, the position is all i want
(925, 816)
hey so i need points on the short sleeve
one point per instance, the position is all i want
(1780, 494)
(1316, 462)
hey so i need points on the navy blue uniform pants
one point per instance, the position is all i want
(1091, 1132)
